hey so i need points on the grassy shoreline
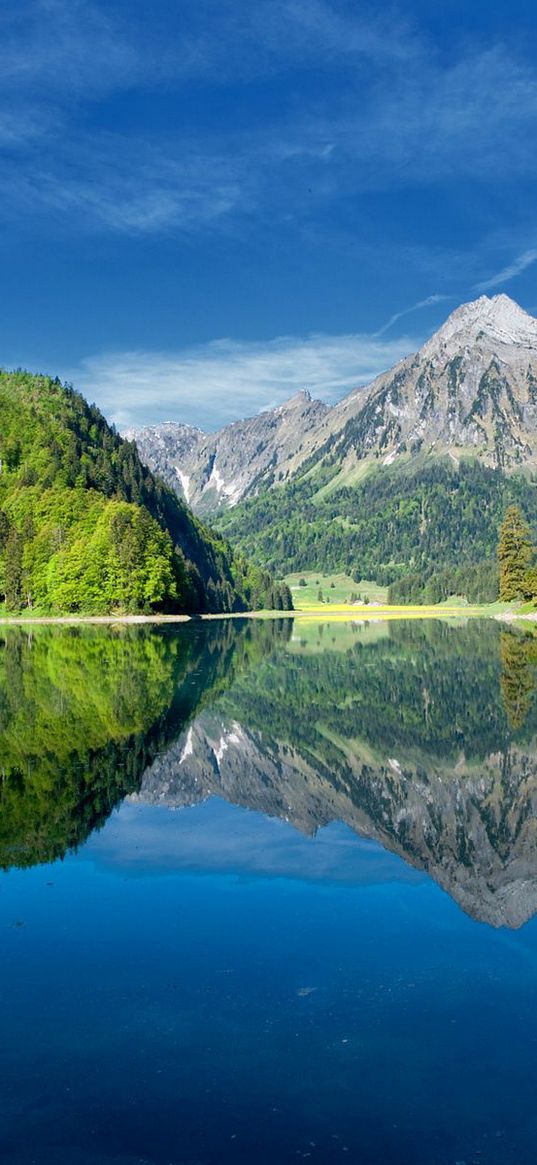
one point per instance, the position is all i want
(317, 597)
(326, 613)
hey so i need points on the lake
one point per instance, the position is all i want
(268, 894)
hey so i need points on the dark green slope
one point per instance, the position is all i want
(85, 527)
(84, 711)
(427, 528)
(424, 690)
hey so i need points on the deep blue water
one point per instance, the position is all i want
(164, 1015)
(206, 984)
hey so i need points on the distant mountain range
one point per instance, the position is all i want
(426, 818)
(417, 736)
(471, 390)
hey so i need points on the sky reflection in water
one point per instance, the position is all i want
(254, 957)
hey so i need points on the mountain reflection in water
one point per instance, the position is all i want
(419, 735)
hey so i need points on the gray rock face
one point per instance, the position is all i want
(471, 389)
(473, 829)
(168, 447)
(213, 470)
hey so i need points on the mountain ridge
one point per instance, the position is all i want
(214, 470)
(422, 818)
(419, 735)
(471, 389)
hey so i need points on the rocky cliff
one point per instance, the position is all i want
(213, 470)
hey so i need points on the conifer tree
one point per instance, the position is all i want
(517, 680)
(514, 554)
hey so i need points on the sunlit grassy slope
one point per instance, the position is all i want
(313, 635)
(335, 588)
(337, 601)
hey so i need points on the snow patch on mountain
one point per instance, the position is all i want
(185, 482)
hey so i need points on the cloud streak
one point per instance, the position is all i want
(525, 260)
(429, 301)
(90, 46)
(212, 385)
(158, 195)
(226, 838)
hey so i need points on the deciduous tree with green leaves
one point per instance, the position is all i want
(86, 528)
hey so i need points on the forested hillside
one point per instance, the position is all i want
(85, 527)
(83, 713)
(428, 529)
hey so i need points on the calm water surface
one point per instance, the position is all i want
(269, 894)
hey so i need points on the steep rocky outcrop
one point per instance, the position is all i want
(212, 470)
(169, 448)
(472, 388)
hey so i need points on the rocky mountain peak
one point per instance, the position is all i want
(487, 321)
(470, 390)
(422, 820)
(213, 470)
(298, 400)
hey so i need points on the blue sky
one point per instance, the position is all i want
(206, 205)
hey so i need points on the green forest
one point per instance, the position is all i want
(86, 528)
(423, 722)
(426, 529)
(423, 689)
(84, 711)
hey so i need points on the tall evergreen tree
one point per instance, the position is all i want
(518, 658)
(514, 554)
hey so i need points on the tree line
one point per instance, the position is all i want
(425, 530)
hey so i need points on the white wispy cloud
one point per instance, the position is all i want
(313, 28)
(92, 45)
(225, 380)
(88, 47)
(422, 121)
(70, 47)
(429, 301)
(158, 195)
(221, 837)
(525, 260)
(429, 123)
